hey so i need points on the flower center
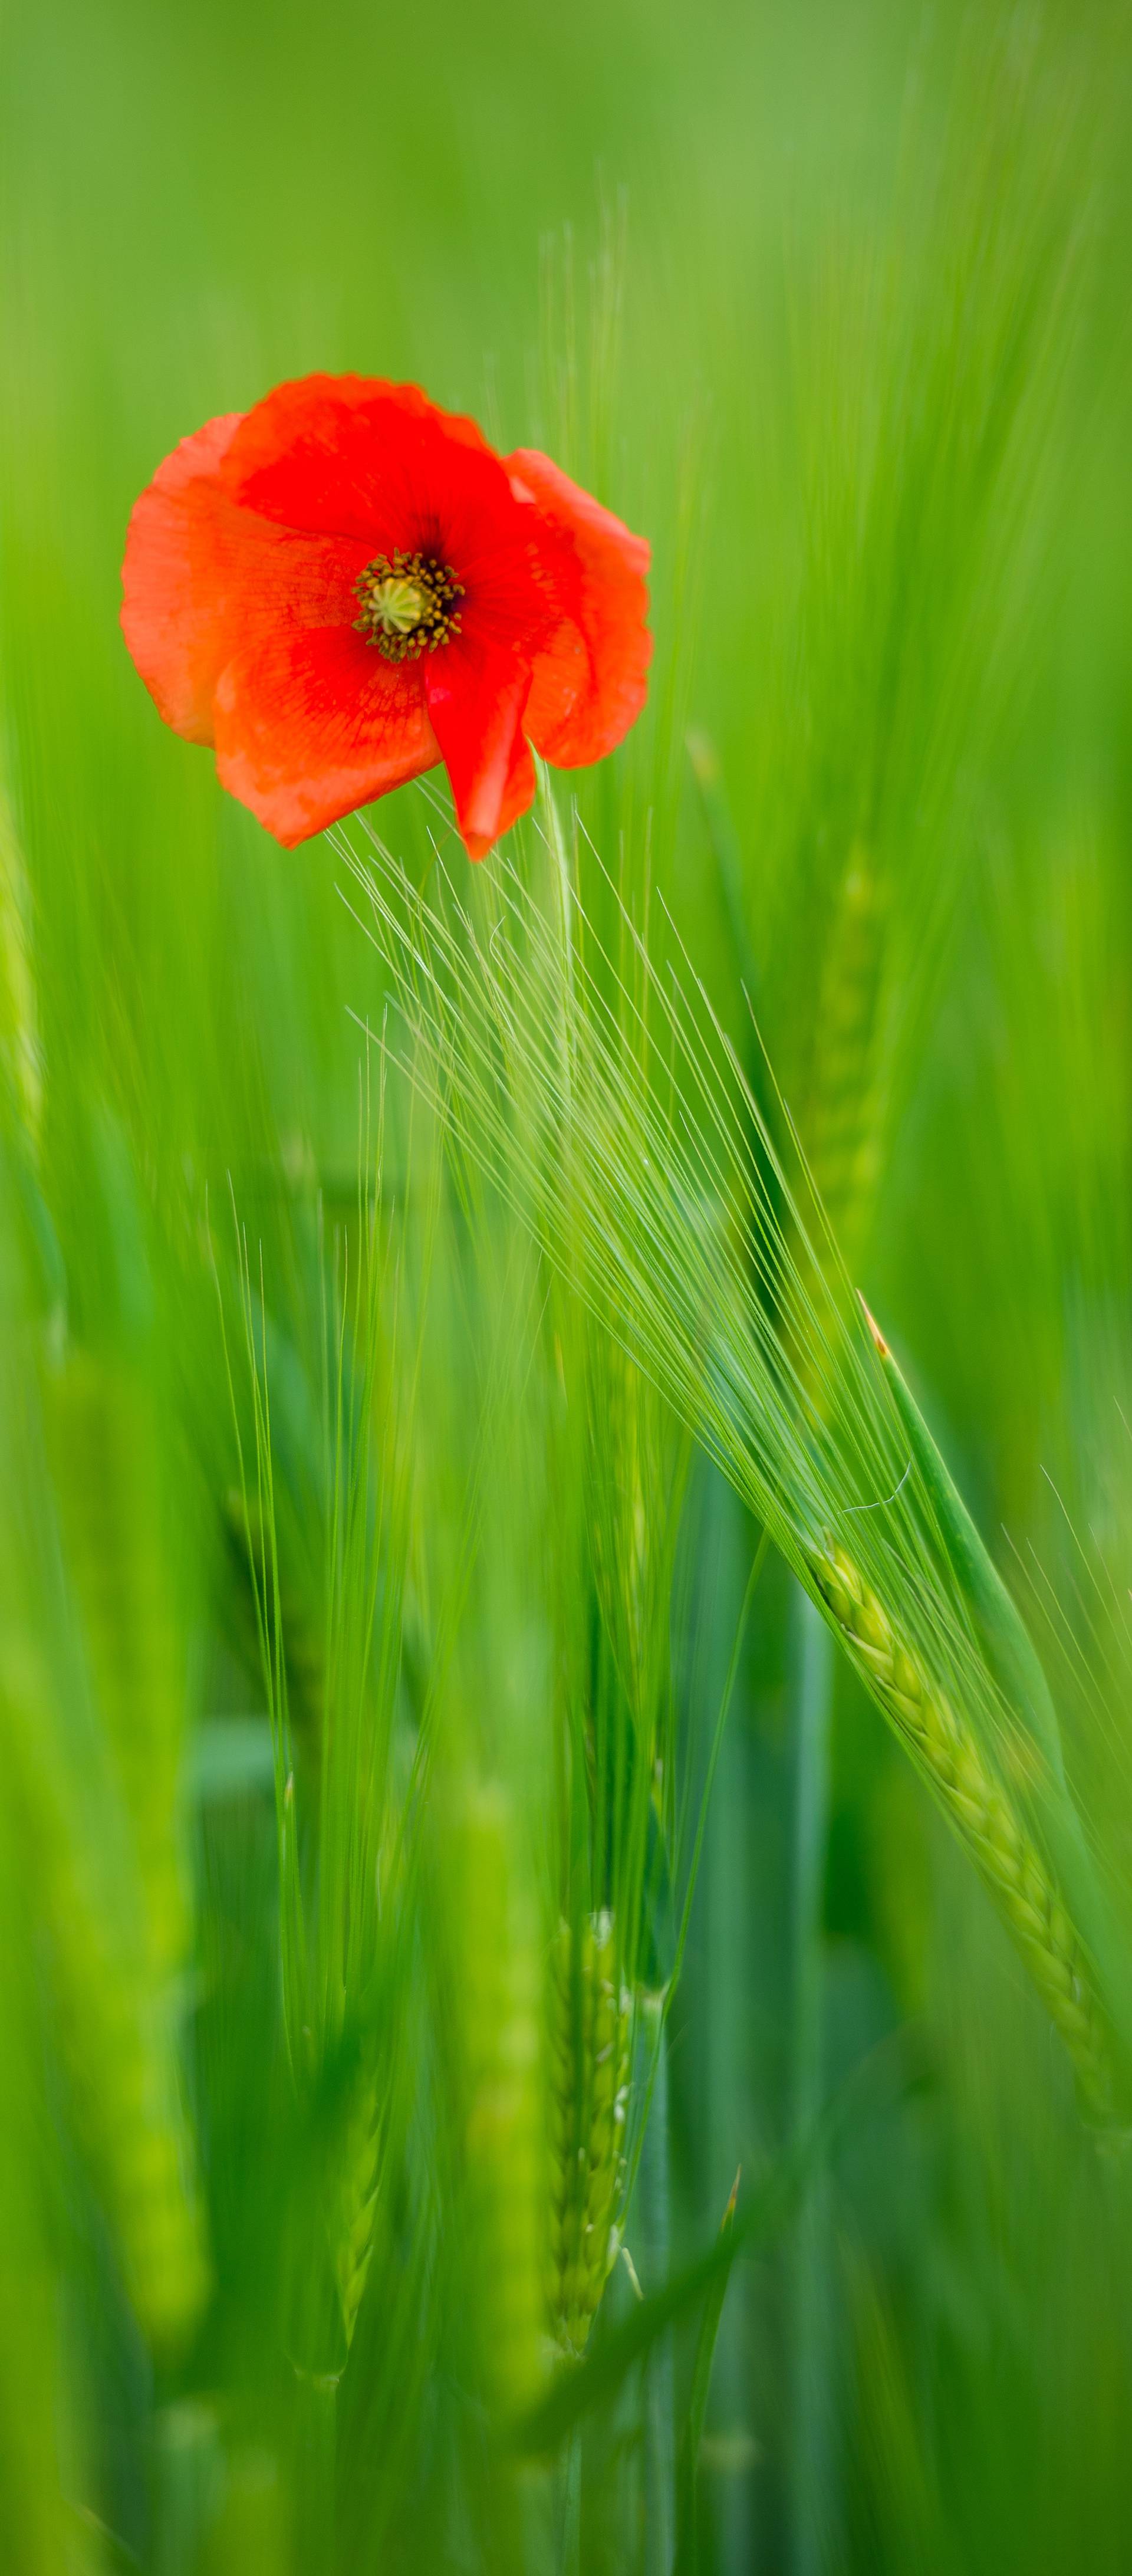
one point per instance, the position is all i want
(408, 604)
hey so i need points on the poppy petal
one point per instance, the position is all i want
(312, 723)
(588, 685)
(476, 697)
(173, 552)
(519, 790)
(241, 597)
(378, 463)
(204, 579)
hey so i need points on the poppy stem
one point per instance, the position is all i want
(556, 844)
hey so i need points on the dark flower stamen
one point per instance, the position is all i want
(407, 604)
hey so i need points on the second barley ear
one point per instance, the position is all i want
(589, 2016)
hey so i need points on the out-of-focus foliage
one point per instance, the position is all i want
(368, 1624)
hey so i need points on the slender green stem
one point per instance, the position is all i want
(188, 2476)
(568, 2509)
(653, 2248)
(316, 2415)
(810, 2396)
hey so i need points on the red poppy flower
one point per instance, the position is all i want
(345, 585)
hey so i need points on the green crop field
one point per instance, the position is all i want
(565, 1795)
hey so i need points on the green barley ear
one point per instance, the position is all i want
(116, 1982)
(842, 1123)
(589, 2100)
(107, 1493)
(357, 2197)
(839, 1081)
(113, 2024)
(987, 1821)
(1035, 1751)
(655, 1188)
(91, 1711)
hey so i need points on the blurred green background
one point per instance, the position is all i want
(831, 302)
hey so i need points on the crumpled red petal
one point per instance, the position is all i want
(204, 579)
(310, 725)
(476, 699)
(374, 462)
(589, 681)
(174, 566)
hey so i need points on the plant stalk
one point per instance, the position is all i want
(810, 2465)
(653, 2235)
